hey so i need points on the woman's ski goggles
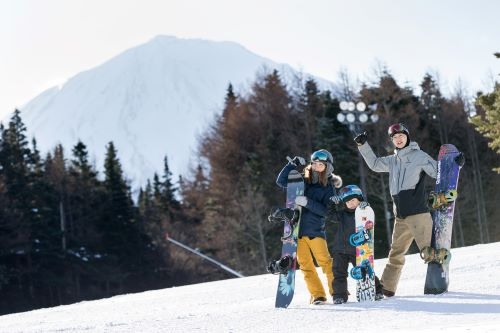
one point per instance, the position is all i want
(319, 156)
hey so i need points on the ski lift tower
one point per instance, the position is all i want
(356, 116)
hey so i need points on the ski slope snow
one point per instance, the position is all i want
(247, 305)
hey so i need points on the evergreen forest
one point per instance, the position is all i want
(69, 232)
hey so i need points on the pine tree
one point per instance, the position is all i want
(488, 123)
(131, 254)
(194, 195)
(19, 211)
(311, 109)
(83, 211)
(433, 107)
(165, 191)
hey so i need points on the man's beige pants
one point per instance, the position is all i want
(415, 227)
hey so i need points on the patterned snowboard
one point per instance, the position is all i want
(363, 240)
(286, 285)
(437, 279)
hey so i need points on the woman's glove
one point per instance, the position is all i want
(301, 201)
(297, 160)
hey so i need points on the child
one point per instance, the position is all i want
(342, 212)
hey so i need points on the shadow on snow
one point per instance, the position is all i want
(448, 303)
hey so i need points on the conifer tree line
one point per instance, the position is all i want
(233, 186)
(69, 233)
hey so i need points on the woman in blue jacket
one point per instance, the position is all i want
(320, 182)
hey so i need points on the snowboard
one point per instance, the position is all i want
(286, 284)
(442, 201)
(363, 240)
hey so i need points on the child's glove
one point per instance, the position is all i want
(335, 199)
(301, 201)
(363, 204)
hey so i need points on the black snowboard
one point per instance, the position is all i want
(286, 285)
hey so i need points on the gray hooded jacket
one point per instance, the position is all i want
(406, 168)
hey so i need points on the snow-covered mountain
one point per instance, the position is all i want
(152, 101)
(247, 305)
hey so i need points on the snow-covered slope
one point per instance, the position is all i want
(151, 100)
(247, 305)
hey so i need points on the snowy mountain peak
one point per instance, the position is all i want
(151, 100)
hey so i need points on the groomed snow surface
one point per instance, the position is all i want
(247, 305)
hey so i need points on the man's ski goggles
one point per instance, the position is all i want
(397, 128)
(319, 156)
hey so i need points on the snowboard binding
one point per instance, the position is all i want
(440, 256)
(362, 236)
(280, 215)
(362, 271)
(280, 266)
(438, 200)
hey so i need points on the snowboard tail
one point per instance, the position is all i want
(436, 281)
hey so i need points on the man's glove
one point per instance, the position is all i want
(363, 204)
(297, 160)
(460, 159)
(360, 139)
(335, 199)
(301, 201)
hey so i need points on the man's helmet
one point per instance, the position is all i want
(398, 128)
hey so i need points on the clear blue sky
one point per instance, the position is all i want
(43, 42)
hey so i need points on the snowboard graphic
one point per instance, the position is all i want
(363, 240)
(442, 200)
(286, 285)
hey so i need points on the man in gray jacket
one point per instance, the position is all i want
(407, 168)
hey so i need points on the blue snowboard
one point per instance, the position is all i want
(438, 279)
(286, 285)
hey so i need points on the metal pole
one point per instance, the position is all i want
(63, 227)
(213, 261)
